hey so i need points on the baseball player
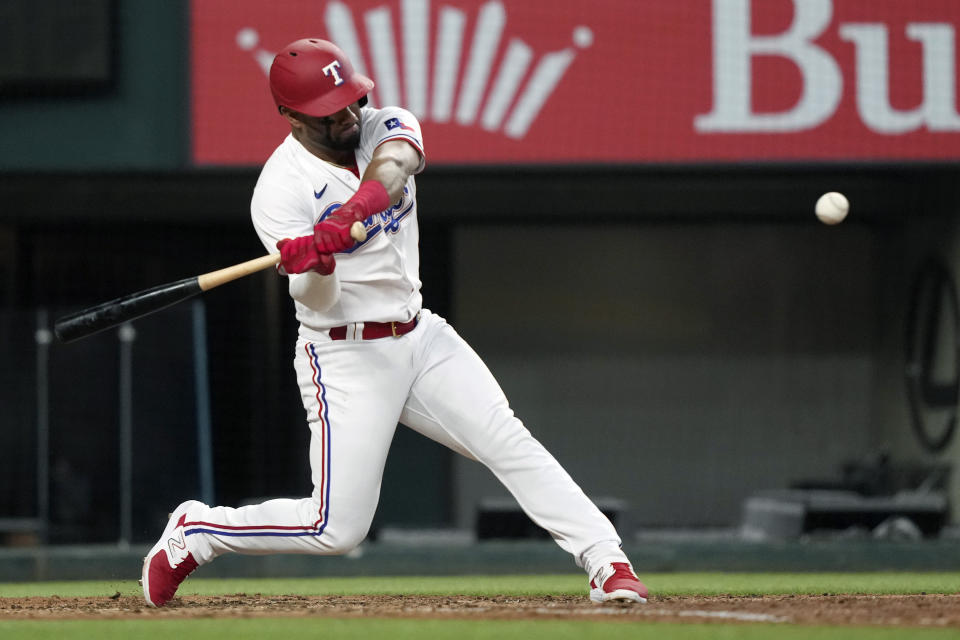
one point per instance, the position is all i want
(368, 355)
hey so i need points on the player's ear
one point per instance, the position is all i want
(291, 117)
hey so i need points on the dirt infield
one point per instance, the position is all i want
(827, 609)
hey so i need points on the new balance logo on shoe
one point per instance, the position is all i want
(177, 546)
(605, 572)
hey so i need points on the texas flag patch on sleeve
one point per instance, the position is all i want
(400, 124)
(395, 123)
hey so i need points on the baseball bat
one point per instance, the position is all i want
(89, 321)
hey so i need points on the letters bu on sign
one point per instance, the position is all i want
(734, 46)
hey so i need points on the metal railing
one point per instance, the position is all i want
(57, 411)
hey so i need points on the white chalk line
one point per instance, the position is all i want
(729, 615)
(695, 613)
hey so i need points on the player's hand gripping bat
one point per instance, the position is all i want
(135, 305)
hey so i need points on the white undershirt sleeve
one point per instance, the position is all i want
(314, 290)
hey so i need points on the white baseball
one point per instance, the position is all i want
(832, 208)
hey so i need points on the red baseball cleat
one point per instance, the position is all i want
(169, 562)
(617, 581)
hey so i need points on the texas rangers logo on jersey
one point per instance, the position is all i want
(395, 123)
(387, 220)
(390, 219)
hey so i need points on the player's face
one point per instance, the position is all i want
(338, 132)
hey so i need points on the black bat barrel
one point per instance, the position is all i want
(109, 314)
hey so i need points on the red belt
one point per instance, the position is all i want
(374, 330)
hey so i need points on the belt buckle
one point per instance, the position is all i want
(393, 328)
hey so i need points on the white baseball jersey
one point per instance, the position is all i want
(380, 277)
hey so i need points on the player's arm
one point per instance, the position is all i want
(319, 292)
(280, 221)
(313, 281)
(380, 186)
(393, 162)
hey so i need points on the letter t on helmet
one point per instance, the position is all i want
(332, 70)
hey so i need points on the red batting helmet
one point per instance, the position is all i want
(315, 77)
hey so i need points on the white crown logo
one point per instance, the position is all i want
(444, 99)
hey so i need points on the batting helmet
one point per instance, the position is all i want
(315, 77)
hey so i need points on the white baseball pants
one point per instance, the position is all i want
(355, 392)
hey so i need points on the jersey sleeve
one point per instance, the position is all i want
(396, 123)
(278, 212)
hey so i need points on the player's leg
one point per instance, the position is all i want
(542, 488)
(456, 401)
(352, 393)
(352, 399)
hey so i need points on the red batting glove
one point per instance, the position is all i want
(332, 234)
(301, 255)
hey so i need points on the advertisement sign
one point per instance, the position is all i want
(604, 81)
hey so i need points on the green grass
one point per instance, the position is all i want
(397, 629)
(328, 629)
(664, 584)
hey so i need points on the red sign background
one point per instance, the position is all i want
(631, 93)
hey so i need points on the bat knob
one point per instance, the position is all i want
(358, 232)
